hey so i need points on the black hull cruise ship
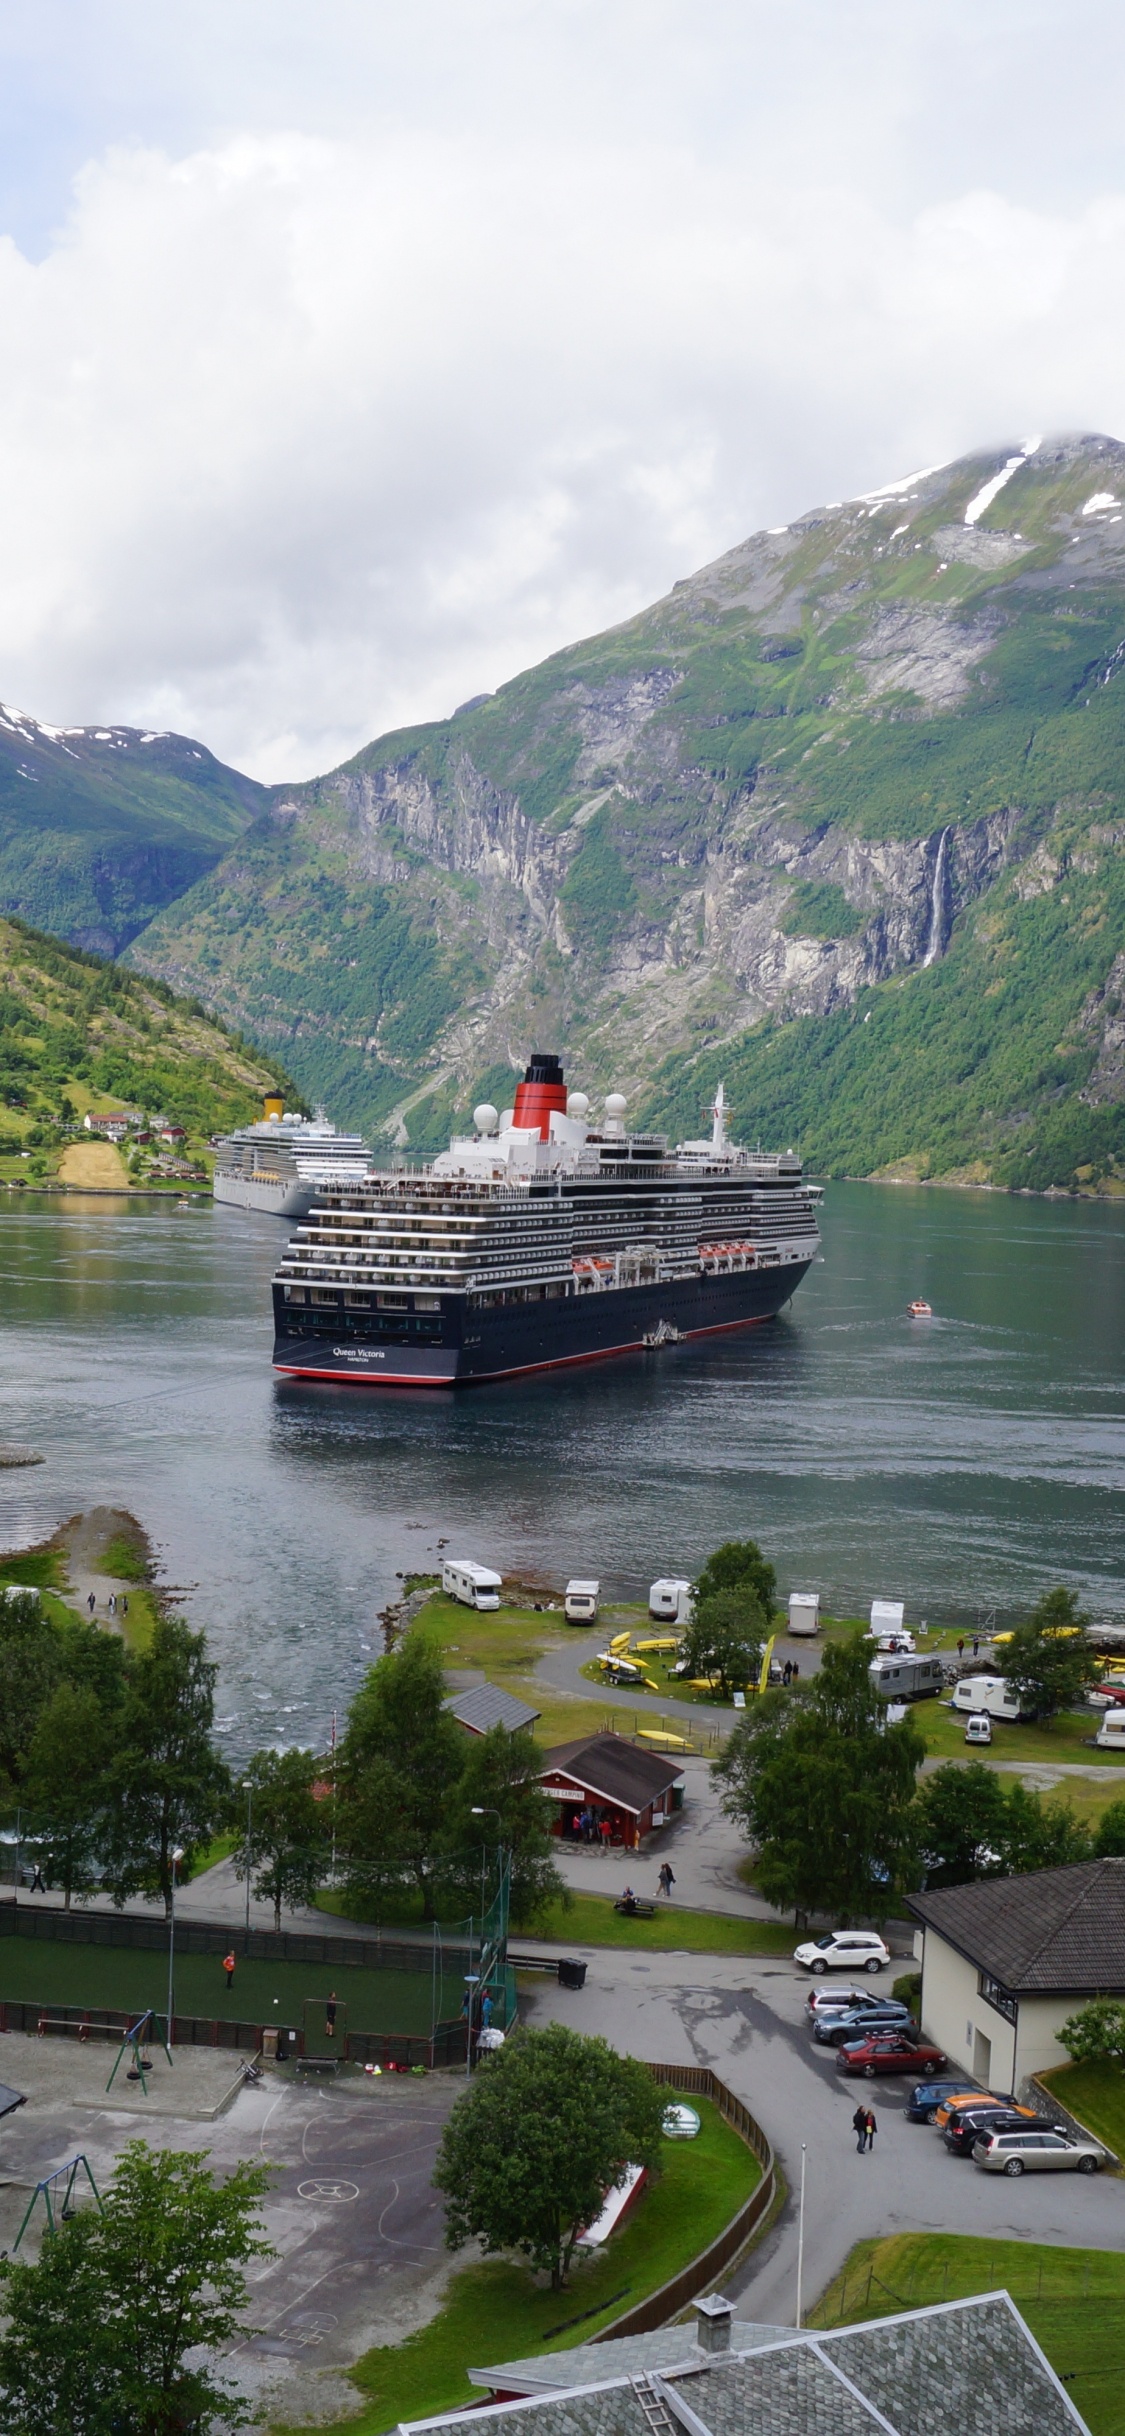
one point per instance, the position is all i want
(539, 1240)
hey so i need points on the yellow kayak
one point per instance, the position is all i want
(651, 1649)
(619, 1643)
(665, 1742)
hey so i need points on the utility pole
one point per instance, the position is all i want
(177, 1857)
(249, 1819)
(801, 2233)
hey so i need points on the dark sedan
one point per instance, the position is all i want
(969, 2123)
(923, 2102)
(835, 2028)
(888, 2052)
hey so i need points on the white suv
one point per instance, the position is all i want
(844, 1950)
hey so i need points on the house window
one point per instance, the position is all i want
(999, 1997)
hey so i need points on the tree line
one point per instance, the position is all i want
(108, 1765)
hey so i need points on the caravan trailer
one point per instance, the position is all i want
(993, 1693)
(804, 1611)
(669, 1602)
(906, 1678)
(474, 1585)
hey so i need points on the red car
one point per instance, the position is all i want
(888, 2051)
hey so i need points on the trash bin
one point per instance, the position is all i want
(572, 1974)
(269, 2045)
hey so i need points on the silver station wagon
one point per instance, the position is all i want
(1036, 2152)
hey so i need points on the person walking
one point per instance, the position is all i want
(665, 1879)
(870, 2127)
(113, 1602)
(486, 2011)
(961, 1646)
(91, 1602)
(859, 2126)
(124, 1602)
(330, 2016)
(228, 1966)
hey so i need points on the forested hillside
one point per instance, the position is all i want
(77, 1033)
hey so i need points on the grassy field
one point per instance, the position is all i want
(591, 1920)
(507, 1645)
(499, 2312)
(1063, 1739)
(1073, 2300)
(120, 1979)
(1096, 2094)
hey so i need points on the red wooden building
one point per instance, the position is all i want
(610, 1791)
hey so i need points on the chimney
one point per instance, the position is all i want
(713, 2322)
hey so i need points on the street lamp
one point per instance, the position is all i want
(177, 1857)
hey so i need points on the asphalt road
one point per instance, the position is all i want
(747, 2020)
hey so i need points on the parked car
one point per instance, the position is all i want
(1036, 2152)
(887, 2051)
(822, 2000)
(978, 1726)
(844, 1950)
(836, 2029)
(969, 2124)
(980, 2097)
(923, 2102)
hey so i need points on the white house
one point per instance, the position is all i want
(1006, 1961)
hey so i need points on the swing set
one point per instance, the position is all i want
(69, 2173)
(132, 2042)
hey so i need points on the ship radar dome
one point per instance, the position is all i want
(577, 1104)
(485, 1118)
(615, 1105)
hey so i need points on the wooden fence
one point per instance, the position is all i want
(701, 2273)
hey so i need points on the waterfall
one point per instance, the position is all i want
(937, 900)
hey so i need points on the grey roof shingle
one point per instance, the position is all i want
(969, 2366)
(962, 2368)
(485, 1706)
(1051, 1932)
(623, 2356)
(607, 1765)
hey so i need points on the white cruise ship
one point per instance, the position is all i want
(287, 1163)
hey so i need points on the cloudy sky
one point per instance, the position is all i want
(354, 355)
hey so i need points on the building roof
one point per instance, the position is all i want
(614, 1770)
(1052, 1932)
(624, 2356)
(973, 2366)
(485, 1706)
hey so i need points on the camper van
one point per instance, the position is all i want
(474, 1585)
(906, 1678)
(804, 1611)
(1110, 1735)
(580, 1605)
(990, 1692)
(887, 1615)
(669, 1602)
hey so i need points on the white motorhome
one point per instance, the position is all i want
(804, 1611)
(902, 1677)
(992, 1693)
(1110, 1735)
(580, 1605)
(669, 1601)
(474, 1585)
(887, 1616)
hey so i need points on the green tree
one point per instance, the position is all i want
(287, 1843)
(500, 1780)
(824, 1789)
(169, 1785)
(1109, 1835)
(1096, 2035)
(546, 2129)
(399, 1765)
(99, 2329)
(739, 1564)
(960, 1824)
(726, 1636)
(1048, 1660)
(1039, 1834)
(66, 1787)
(30, 1667)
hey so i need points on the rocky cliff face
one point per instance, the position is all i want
(801, 777)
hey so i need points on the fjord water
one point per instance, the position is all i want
(963, 1463)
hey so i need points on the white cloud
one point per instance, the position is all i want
(306, 434)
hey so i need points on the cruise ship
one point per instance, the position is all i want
(538, 1240)
(286, 1163)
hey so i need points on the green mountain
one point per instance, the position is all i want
(101, 827)
(77, 1033)
(840, 820)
